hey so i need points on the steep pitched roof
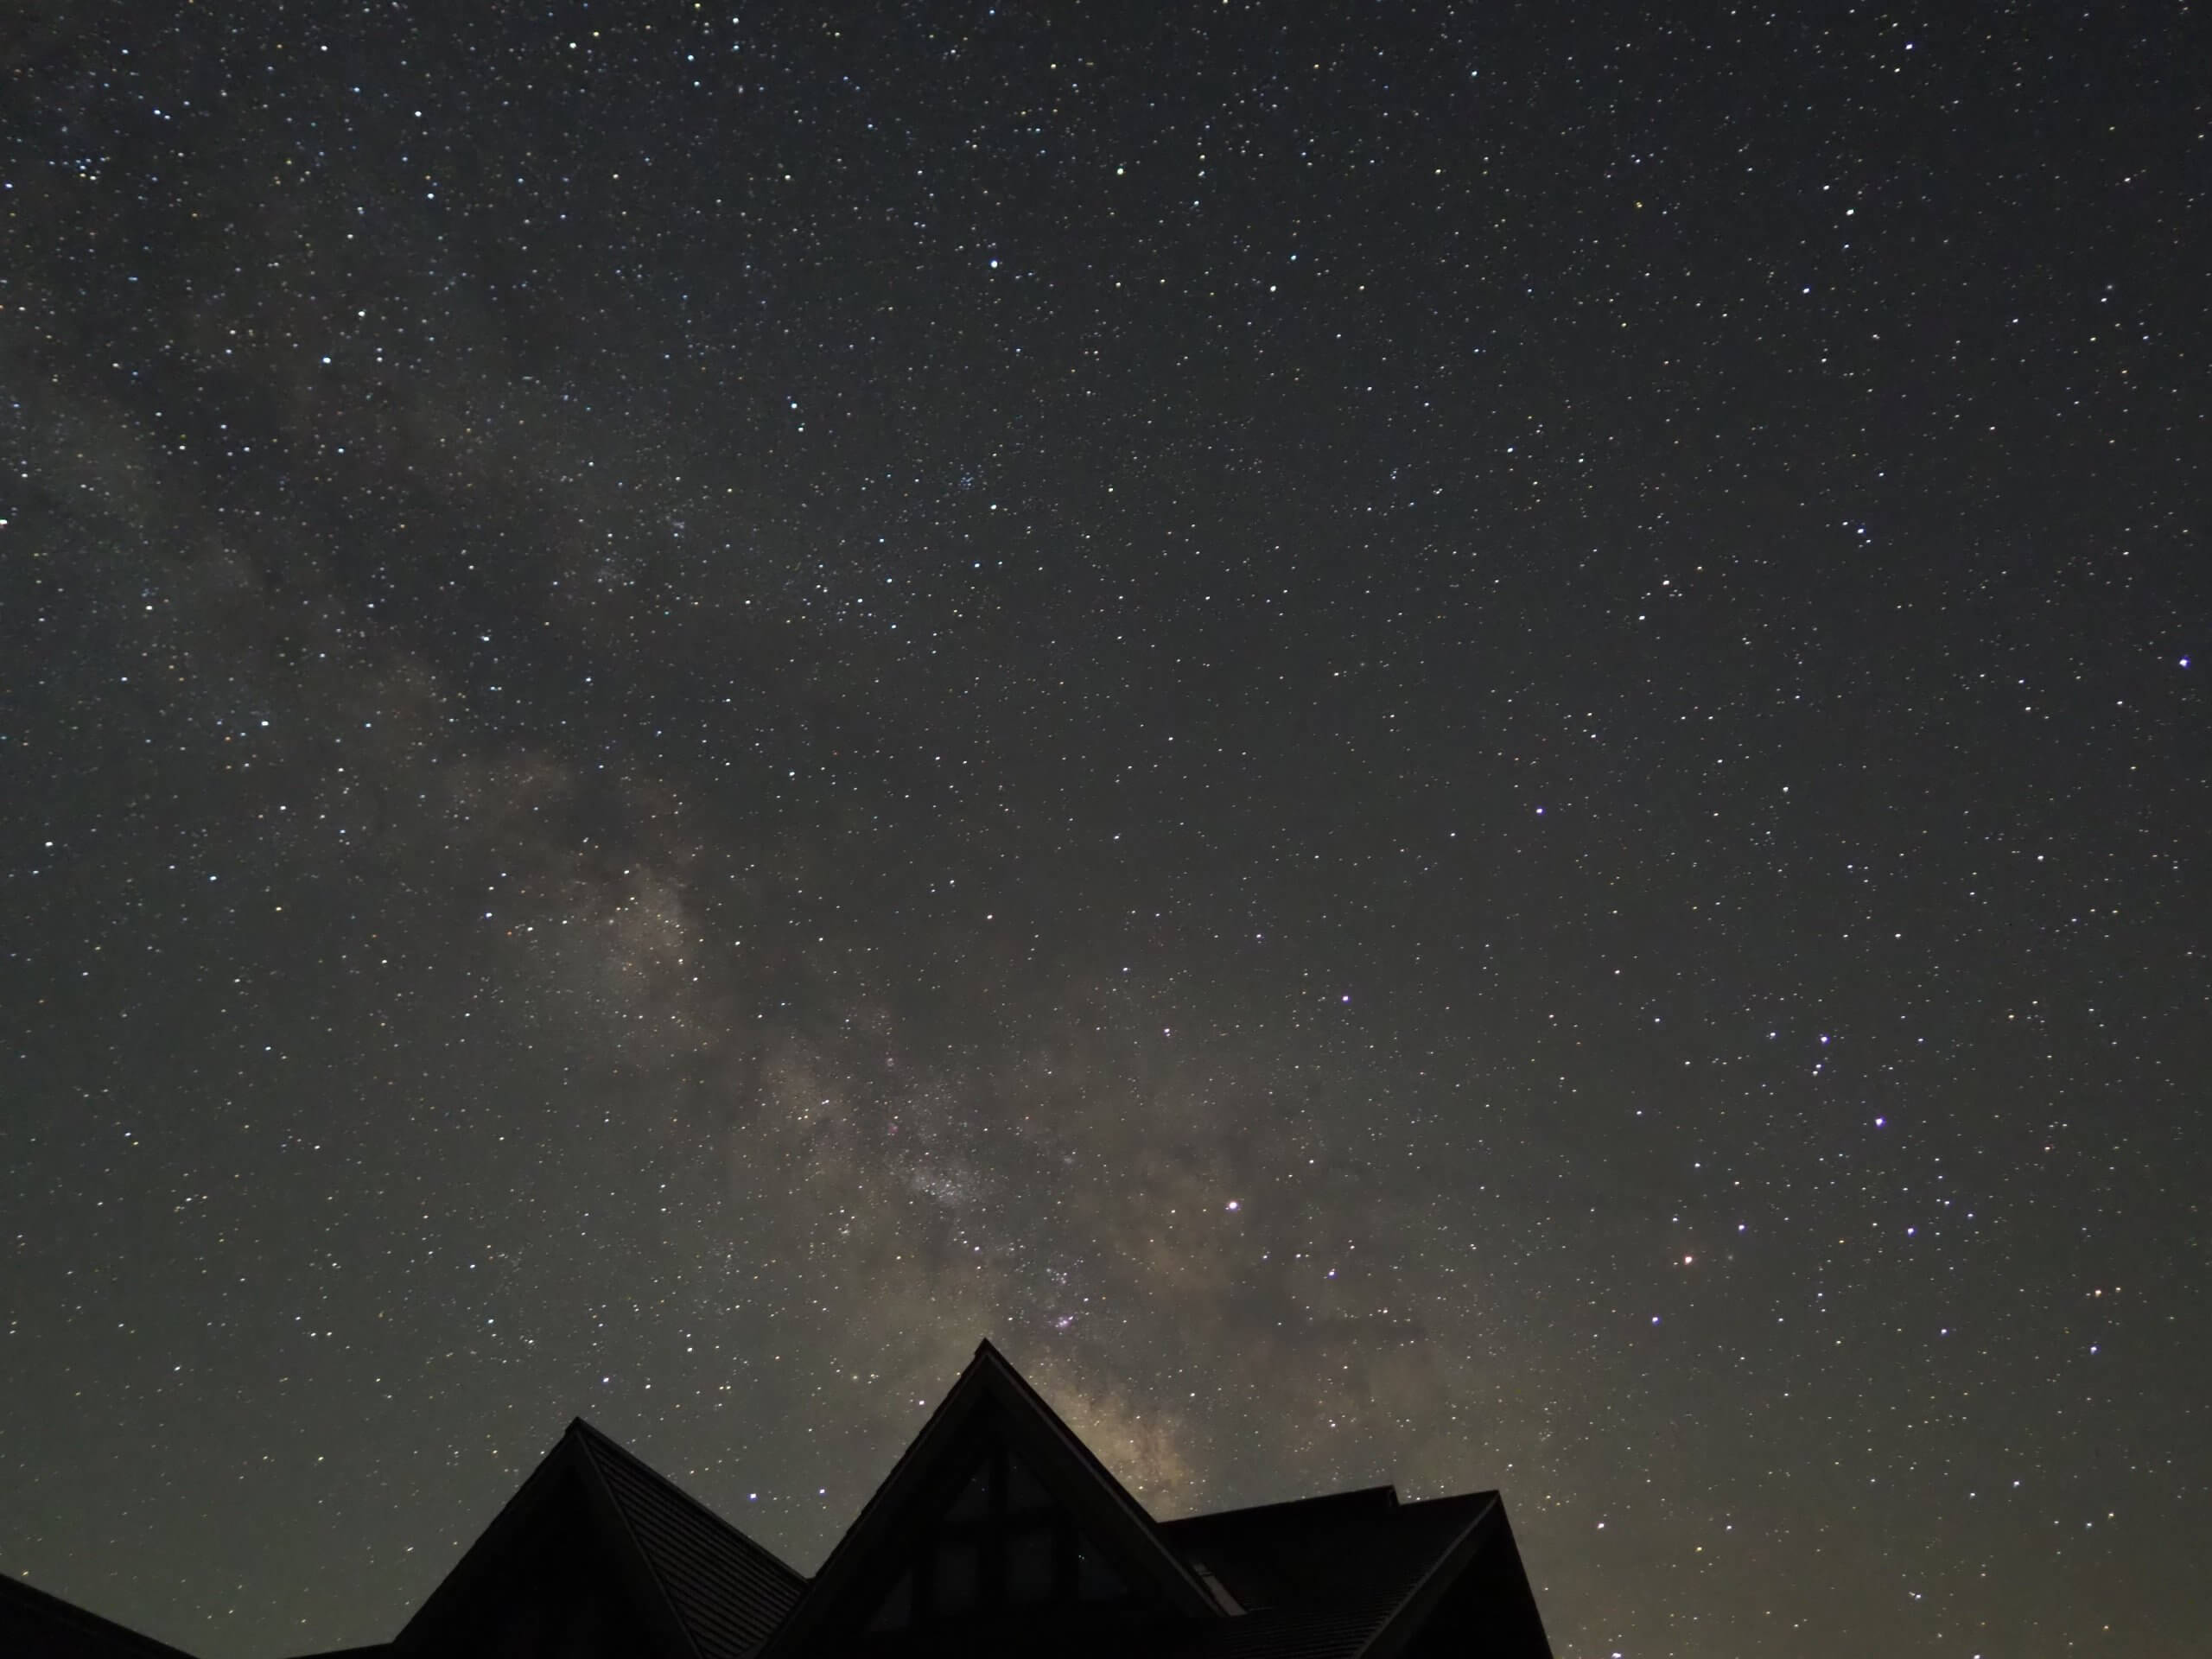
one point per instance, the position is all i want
(705, 1590)
(991, 1398)
(728, 1591)
(33, 1622)
(598, 1547)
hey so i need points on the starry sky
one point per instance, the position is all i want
(1462, 745)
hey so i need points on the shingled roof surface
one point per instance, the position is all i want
(1320, 1578)
(727, 1592)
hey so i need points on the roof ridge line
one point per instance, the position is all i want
(719, 1520)
(990, 1383)
(1428, 1575)
(630, 1536)
(533, 1495)
(1345, 1496)
(1148, 1521)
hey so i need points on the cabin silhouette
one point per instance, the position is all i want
(997, 1532)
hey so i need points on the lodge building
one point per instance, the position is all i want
(996, 1533)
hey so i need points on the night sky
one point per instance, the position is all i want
(1466, 746)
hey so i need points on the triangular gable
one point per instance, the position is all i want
(996, 1506)
(556, 1568)
(1005, 1544)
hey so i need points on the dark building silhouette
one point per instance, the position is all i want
(997, 1532)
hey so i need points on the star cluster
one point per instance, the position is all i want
(1460, 745)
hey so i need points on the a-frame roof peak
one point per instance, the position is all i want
(708, 1590)
(991, 1403)
(726, 1590)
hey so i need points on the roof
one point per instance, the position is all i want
(727, 1592)
(31, 1621)
(710, 1591)
(1329, 1578)
(1351, 1575)
(990, 1396)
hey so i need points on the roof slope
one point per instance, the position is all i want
(727, 1592)
(991, 1399)
(599, 1548)
(33, 1622)
(705, 1590)
(1353, 1574)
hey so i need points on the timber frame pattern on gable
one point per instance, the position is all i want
(991, 1403)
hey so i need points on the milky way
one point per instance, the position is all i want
(1452, 746)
